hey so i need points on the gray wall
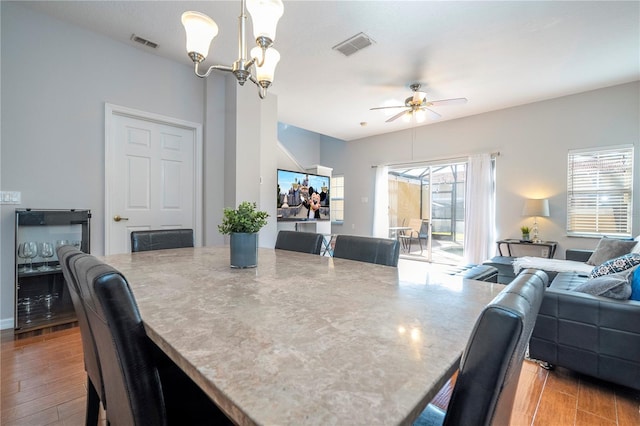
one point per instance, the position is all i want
(533, 141)
(56, 79)
(302, 144)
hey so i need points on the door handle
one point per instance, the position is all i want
(117, 218)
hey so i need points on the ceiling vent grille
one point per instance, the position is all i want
(353, 44)
(144, 41)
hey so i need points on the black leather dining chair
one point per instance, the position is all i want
(95, 390)
(161, 239)
(492, 361)
(303, 242)
(383, 251)
(142, 385)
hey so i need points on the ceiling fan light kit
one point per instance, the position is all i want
(201, 30)
(416, 106)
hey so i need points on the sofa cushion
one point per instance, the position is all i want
(618, 264)
(614, 286)
(635, 285)
(567, 281)
(609, 248)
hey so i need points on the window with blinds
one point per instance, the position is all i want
(599, 192)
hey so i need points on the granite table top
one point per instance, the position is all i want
(306, 339)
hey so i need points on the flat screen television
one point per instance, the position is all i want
(302, 196)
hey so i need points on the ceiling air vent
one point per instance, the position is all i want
(353, 44)
(144, 41)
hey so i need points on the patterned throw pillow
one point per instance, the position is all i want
(618, 264)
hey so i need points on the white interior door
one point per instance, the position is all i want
(153, 176)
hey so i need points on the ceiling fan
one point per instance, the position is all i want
(417, 105)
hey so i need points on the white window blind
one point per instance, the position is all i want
(600, 192)
(337, 199)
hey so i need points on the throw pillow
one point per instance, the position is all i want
(635, 285)
(618, 264)
(608, 248)
(614, 286)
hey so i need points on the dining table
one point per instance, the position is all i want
(305, 339)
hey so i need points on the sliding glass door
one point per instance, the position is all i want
(426, 206)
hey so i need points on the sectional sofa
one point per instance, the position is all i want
(595, 335)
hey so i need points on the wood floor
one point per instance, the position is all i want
(43, 383)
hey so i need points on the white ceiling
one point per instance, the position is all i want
(496, 54)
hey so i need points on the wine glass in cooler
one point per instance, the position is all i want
(21, 255)
(60, 243)
(30, 251)
(46, 252)
(48, 301)
(27, 306)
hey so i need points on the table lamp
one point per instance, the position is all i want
(535, 208)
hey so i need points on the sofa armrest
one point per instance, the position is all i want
(589, 334)
(578, 255)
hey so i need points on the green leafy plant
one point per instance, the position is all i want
(524, 229)
(244, 219)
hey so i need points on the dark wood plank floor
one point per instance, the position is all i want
(43, 383)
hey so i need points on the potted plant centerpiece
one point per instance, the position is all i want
(525, 233)
(243, 224)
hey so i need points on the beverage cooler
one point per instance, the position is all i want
(41, 296)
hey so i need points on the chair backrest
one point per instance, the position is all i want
(490, 368)
(419, 228)
(131, 380)
(383, 251)
(161, 239)
(68, 255)
(415, 225)
(424, 229)
(303, 242)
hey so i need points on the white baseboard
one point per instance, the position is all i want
(6, 323)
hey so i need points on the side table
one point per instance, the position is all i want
(549, 245)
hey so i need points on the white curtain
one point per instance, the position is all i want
(479, 234)
(381, 203)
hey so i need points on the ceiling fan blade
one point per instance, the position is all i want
(454, 101)
(398, 115)
(431, 112)
(387, 107)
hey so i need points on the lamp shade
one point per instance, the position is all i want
(420, 116)
(418, 97)
(536, 207)
(268, 69)
(200, 31)
(265, 15)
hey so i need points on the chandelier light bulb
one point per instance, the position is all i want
(200, 31)
(265, 15)
(266, 72)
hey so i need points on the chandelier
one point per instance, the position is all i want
(265, 14)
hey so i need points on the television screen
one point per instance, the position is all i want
(302, 196)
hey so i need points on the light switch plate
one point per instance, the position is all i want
(10, 197)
